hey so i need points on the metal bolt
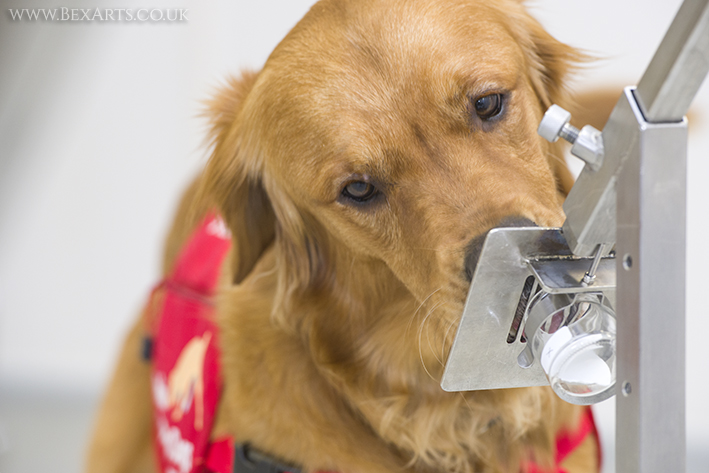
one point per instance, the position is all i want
(587, 142)
(556, 124)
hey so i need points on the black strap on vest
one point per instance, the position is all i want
(250, 460)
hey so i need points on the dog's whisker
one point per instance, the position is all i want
(433, 350)
(465, 400)
(423, 248)
(413, 316)
(445, 337)
(264, 274)
(420, 335)
(555, 157)
(352, 264)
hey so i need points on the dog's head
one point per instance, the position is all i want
(391, 135)
(380, 140)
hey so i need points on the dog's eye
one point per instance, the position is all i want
(489, 106)
(359, 191)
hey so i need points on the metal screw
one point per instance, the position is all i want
(627, 389)
(556, 124)
(587, 142)
(590, 277)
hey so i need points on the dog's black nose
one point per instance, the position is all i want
(472, 252)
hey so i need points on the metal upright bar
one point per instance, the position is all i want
(651, 248)
(650, 274)
(679, 66)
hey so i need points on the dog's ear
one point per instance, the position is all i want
(549, 61)
(303, 261)
(232, 182)
(549, 64)
(555, 61)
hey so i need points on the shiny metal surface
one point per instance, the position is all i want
(650, 411)
(588, 147)
(544, 306)
(590, 206)
(563, 276)
(679, 66)
(481, 357)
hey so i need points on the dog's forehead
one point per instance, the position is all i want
(378, 46)
(353, 76)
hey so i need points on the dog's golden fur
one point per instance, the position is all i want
(337, 315)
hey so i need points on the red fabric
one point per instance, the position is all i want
(567, 442)
(220, 458)
(185, 377)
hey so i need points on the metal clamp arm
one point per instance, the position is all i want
(663, 95)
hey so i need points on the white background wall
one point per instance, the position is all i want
(99, 132)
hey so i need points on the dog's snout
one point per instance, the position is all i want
(472, 251)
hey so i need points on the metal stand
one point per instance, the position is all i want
(645, 152)
(650, 272)
(651, 249)
(631, 195)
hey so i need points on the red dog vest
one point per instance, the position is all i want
(185, 378)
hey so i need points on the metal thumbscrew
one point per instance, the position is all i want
(587, 143)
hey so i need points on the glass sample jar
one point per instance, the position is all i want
(575, 345)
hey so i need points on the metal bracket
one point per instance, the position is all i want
(481, 357)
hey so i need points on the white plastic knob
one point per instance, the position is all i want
(553, 122)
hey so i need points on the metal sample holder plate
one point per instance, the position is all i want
(480, 357)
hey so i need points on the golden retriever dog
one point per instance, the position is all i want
(355, 172)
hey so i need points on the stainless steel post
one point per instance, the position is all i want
(650, 272)
(651, 249)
